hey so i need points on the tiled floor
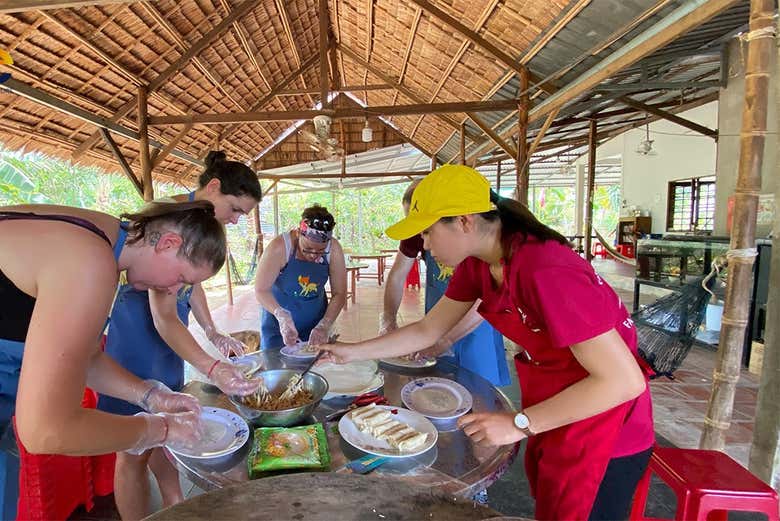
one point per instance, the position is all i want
(679, 405)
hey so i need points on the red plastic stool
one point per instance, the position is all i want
(413, 278)
(708, 484)
(599, 250)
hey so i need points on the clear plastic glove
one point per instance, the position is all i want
(321, 332)
(230, 379)
(387, 323)
(159, 398)
(286, 326)
(177, 430)
(441, 346)
(225, 343)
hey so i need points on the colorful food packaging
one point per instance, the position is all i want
(281, 448)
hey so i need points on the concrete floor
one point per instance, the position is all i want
(679, 405)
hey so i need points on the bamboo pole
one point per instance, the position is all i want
(592, 142)
(522, 170)
(740, 272)
(498, 178)
(143, 142)
(259, 233)
(765, 448)
(276, 209)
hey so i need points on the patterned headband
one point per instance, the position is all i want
(314, 234)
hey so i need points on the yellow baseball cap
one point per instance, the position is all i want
(448, 191)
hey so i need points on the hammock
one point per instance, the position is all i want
(666, 329)
(250, 272)
(612, 251)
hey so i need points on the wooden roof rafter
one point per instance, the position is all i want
(246, 45)
(21, 6)
(481, 42)
(409, 44)
(483, 18)
(285, 18)
(173, 68)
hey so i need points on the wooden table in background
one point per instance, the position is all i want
(353, 270)
(380, 259)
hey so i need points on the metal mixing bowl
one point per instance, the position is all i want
(276, 381)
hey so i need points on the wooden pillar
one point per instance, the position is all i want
(592, 142)
(143, 142)
(579, 205)
(324, 23)
(463, 143)
(743, 232)
(498, 178)
(229, 278)
(521, 168)
(433, 162)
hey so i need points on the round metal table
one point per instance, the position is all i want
(454, 465)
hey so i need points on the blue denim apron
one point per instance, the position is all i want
(300, 289)
(133, 341)
(10, 366)
(482, 350)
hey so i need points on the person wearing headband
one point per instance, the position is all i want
(586, 406)
(290, 283)
(158, 321)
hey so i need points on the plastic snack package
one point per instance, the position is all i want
(281, 448)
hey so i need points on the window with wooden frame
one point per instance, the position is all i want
(691, 205)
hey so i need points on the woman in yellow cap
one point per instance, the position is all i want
(586, 411)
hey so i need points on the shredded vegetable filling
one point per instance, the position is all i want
(294, 395)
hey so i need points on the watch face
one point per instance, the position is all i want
(521, 420)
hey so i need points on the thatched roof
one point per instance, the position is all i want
(585, 58)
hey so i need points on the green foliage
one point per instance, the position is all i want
(555, 207)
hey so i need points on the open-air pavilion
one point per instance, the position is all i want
(333, 96)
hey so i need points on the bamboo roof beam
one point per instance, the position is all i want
(346, 88)
(546, 36)
(43, 98)
(285, 18)
(345, 112)
(483, 17)
(160, 155)
(315, 175)
(408, 51)
(479, 41)
(324, 23)
(21, 6)
(369, 29)
(120, 158)
(493, 135)
(390, 81)
(680, 21)
(173, 68)
(247, 45)
(691, 125)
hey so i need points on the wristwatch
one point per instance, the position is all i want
(523, 423)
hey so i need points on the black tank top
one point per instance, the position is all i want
(16, 306)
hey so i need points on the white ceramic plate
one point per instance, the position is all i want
(224, 433)
(437, 398)
(352, 379)
(298, 351)
(367, 443)
(400, 361)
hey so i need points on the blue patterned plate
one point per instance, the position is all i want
(436, 398)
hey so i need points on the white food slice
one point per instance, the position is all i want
(412, 441)
(379, 429)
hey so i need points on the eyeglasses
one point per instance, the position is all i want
(307, 251)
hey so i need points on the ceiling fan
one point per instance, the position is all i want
(320, 140)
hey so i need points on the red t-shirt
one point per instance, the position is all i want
(556, 291)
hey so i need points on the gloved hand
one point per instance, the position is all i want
(231, 380)
(177, 430)
(321, 332)
(441, 346)
(225, 343)
(286, 326)
(387, 323)
(159, 398)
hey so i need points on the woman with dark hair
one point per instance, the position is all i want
(59, 268)
(158, 321)
(290, 283)
(586, 407)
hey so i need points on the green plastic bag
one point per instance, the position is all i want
(281, 448)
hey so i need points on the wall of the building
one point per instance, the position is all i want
(680, 154)
(729, 125)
